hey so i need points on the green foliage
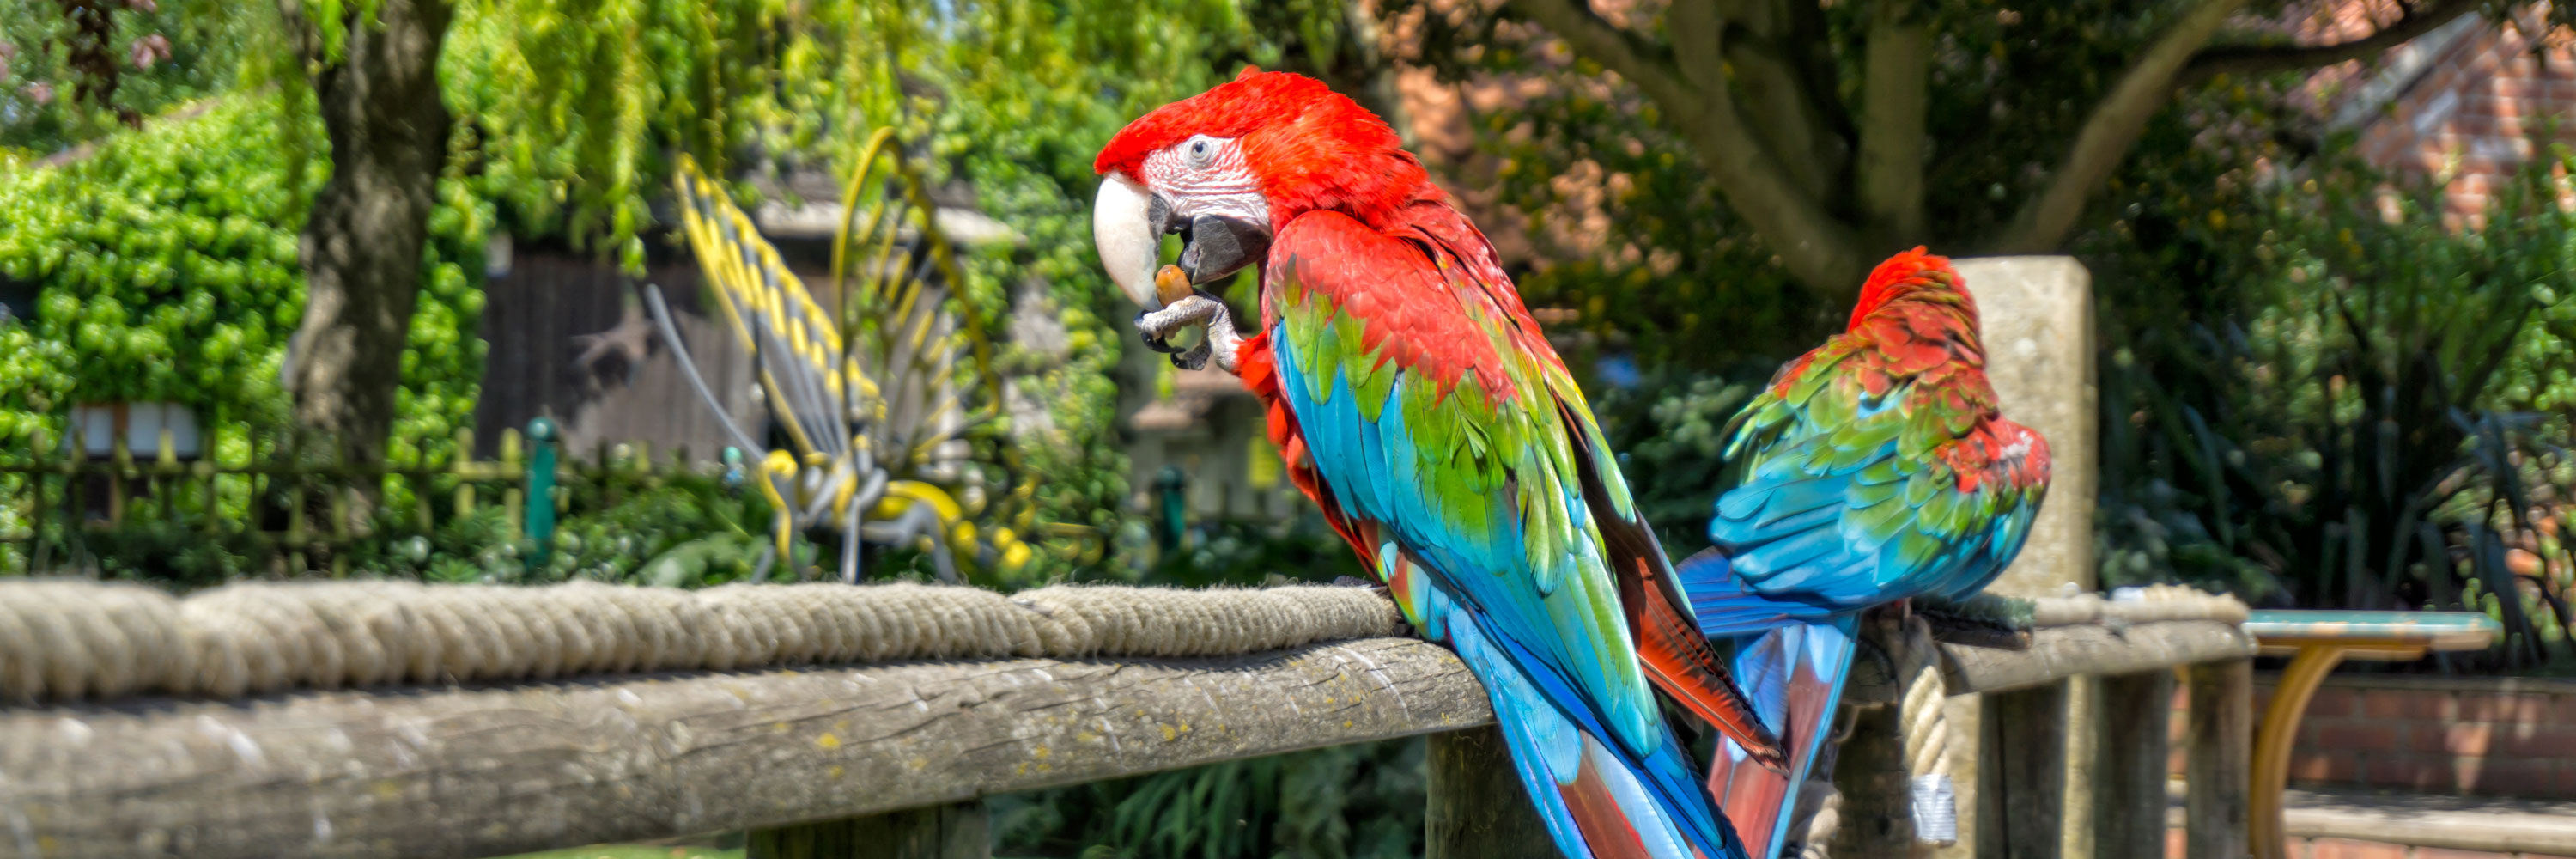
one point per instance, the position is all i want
(1632, 232)
(1346, 802)
(1669, 431)
(40, 111)
(2323, 395)
(164, 268)
(681, 530)
(1028, 93)
(570, 108)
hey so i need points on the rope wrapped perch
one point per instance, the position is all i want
(80, 639)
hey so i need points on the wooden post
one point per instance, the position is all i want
(295, 505)
(2221, 751)
(516, 493)
(2022, 789)
(2129, 769)
(348, 473)
(165, 464)
(1477, 805)
(958, 830)
(37, 512)
(1878, 798)
(462, 464)
(120, 462)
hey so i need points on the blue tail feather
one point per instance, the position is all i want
(1565, 757)
(1790, 660)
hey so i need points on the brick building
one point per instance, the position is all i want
(2461, 103)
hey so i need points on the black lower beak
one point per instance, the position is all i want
(1214, 247)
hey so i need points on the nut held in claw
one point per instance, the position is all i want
(1171, 285)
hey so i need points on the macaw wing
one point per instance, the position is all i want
(1675, 654)
(1419, 417)
(1857, 491)
(796, 342)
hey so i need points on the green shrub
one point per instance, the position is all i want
(164, 268)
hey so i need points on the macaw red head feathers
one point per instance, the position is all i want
(1307, 147)
(1913, 274)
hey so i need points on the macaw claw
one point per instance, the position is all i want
(1194, 309)
(1159, 341)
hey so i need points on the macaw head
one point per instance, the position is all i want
(1913, 274)
(1225, 169)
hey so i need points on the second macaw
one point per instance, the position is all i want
(1415, 399)
(1874, 469)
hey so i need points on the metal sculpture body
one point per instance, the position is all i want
(876, 396)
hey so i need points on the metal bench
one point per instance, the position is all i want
(2317, 641)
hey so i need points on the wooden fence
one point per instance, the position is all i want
(891, 760)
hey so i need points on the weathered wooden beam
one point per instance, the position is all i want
(1477, 806)
(491, 771)
(2024, 774)
(2057, 653)
(2219, 759)
(2130, 764)
(1877, 815)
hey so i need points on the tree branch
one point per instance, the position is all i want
(1789, 119)
(1813, 245)
(2254, 60)
(1647, 65)
(1894, 92)
(2112, 128)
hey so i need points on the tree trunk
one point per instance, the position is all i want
(362, 244)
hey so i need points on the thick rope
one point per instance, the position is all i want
(77, 639)
(1823, 821)
(1923, 719)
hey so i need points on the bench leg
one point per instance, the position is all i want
(2279, 732)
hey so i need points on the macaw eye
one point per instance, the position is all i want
(1200, 151)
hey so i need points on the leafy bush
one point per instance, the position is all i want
(1346, 802)
(681, 530)
(2360, 406)
(164, 268)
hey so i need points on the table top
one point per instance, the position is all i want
(2435, 630)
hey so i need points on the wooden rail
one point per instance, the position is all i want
(482, 771)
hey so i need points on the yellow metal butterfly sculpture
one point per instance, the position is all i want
(877, 394)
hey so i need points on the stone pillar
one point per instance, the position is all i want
(2038, 318)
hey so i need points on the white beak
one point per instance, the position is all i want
(1129, 241)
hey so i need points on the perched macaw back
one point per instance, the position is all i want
(1416, 401)
(1875, 468)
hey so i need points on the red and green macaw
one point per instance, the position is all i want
(1414, 398)
(1874, 469)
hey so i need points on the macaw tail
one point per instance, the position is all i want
(1597, 799)
(1791, 660)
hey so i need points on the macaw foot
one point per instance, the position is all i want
(1196, 309)
(1983, 620)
